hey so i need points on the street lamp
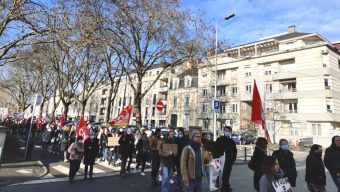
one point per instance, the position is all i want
(215, 112)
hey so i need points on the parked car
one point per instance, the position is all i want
(244, 138)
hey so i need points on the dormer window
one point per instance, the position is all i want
(187, 81)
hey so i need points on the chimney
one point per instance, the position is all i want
(291, 29)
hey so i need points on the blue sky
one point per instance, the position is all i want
(259, 18)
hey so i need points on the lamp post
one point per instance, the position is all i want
(215, 97)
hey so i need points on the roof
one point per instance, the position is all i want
(289, 36)
(192, 72)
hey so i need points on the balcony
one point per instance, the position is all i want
(283, 75)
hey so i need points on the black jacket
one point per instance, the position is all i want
(142, 146)
(255, 164)
(315, 170)
(332, 159)
(91, 149)
(103, 140)
(167, 159)
(225, 145)
(181, 143)
(126, 144)
(287, 164)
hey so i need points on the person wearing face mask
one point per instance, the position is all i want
(126, 147)
(181, 142)
(315, 170)
(76, 151)
(208, 145)
(91, 149)
(286, 161)
(332, 160)
(225, 145)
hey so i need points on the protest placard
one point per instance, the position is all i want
(113, 141)
(282, 185)
(170, 147)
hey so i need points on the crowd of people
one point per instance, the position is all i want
(186, 165)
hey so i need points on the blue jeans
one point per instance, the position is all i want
(337, 182)
(165, 179)
(195, 185)
(105, 153)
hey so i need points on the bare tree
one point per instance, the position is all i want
(20, 20)
(150, 32)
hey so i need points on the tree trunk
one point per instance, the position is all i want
(41, 107)
(137, 109)
(108, 105)
(66, 107)
(83, 106)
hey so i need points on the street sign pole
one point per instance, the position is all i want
(37, 101)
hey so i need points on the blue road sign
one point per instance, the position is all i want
(216, 105)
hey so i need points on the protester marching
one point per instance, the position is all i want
(185, 159)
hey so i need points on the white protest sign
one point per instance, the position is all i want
(282, 185)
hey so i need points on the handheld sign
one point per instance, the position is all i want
(282, 185)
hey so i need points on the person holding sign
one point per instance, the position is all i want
(272, 179)
(168, 154)
(286, 160)
(315, 170)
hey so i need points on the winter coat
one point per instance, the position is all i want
(91, 149)
(188, 163)
(167, 159)
(45, 136)
(315, 170)
(225, 145)
(287, 164)
(181, 143)
(332, 159)
(126, 144)
(142, 146)
(76, 151)
(255, 164)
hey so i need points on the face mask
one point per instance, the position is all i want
(80, 141)
(285, 147)
(180, 135)
(91, 137)
(128, 131)
(227, 133)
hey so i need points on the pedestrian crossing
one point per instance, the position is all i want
(58, 172)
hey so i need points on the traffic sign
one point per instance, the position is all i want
(159, 105)
(216, 105)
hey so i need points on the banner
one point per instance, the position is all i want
(123, 118)
(257, 114)
(62, 120)
(216, 170)
(82, 129)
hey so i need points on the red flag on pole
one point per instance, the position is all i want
(82, 129)
(123, 118)
(257, 113)
(62, 120)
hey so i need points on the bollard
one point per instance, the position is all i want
(245, 153)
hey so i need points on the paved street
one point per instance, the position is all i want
(107, 177)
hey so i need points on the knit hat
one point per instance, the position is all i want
(194, 133)
(261, 142)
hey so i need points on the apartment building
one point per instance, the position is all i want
(298, 76)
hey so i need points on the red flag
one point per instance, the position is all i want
(62, 120)
(123, 118)
(44, 121)
(38, 123)
(82, 130)
(257, 113)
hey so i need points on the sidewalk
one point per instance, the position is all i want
(22, 171)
